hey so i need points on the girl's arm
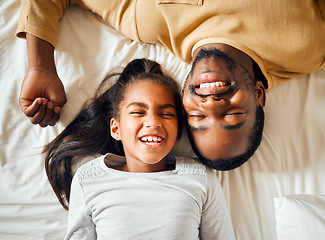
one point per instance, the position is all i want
(215, 221)
(80, 224)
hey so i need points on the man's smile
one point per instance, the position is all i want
(213, 84)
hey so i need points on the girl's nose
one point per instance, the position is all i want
(152, 121)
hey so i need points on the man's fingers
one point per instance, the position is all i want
(30, 107)
(41, 111)
(51, 116)
(56, 116)
(48, 116)
(37, 117)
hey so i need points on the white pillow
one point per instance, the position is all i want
(300, 216)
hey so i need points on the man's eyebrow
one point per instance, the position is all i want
(199, 128)
(233, 127)
(225, 126)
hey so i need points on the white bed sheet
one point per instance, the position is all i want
(291, 159)
(300, 217)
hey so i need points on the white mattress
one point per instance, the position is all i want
(291, 159)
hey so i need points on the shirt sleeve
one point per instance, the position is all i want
(80, 224)
(215, 221)
(40, 18)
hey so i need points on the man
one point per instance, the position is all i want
(230, 43)
(221, 98)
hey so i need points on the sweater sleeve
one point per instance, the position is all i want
(80, 224)
(40, 18)
(215, 220)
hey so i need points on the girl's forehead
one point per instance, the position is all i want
(146, 81)
(146, 85)
(148, 90)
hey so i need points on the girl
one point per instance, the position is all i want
(137, 190)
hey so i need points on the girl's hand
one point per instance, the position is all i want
(42, 96)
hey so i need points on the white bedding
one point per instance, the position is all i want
(291, 159)
(300, 216)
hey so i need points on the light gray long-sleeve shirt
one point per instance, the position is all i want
(185, 203)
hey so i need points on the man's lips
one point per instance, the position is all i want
(207, 77)
(211, 83)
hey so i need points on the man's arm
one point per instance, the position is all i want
(42, 93)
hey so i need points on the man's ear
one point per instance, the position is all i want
(260, 93)
(115, 130)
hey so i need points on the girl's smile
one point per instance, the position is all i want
(152, 141)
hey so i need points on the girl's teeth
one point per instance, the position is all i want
(151, 139)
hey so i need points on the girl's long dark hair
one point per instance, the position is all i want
(89, 133)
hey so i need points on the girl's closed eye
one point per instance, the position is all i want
(137, 112)
(168, 114)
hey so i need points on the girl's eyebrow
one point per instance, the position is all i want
(141, 104)
(167, 105)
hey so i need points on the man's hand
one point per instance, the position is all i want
(41, 97)
(42, 93)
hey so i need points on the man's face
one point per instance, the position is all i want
(220, 99)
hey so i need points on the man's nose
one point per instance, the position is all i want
(213, 102)
(152, 121)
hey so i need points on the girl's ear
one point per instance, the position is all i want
(115, 130)
(260, 93)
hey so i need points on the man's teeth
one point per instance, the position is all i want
(213, 84)
(151, 139)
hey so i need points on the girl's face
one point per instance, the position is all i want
(147, 126)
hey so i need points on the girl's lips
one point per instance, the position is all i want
(151, 138)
